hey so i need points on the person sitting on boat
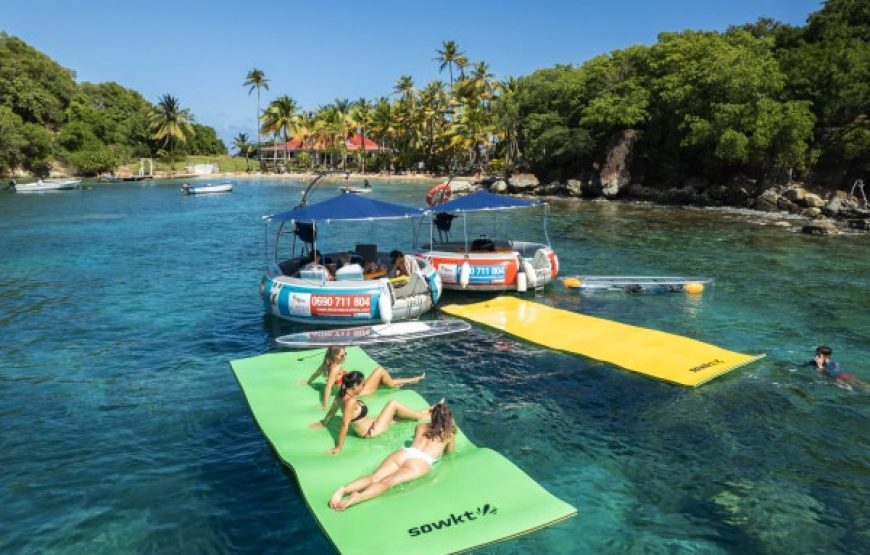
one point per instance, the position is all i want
(431, 441)
(332, 370)
(824, 364)
(355, 413)
(403, 264)
(316, 264)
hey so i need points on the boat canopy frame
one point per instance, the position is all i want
(482, 201)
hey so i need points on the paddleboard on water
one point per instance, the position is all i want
(638, 284)
(366, 335)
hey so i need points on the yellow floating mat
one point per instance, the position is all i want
(655, 353)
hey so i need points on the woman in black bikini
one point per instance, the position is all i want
(333, 372)
(355, 413)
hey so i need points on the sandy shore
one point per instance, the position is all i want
(332, 178)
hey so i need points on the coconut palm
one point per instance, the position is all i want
(343, 123)
(361, 119)
(170, 121)
(302, 129)
(241, 144)
(278, 118)
(256, 79)
(447, 56)
(507, 118)
(384, 122)
(405, 89)
(471, 132)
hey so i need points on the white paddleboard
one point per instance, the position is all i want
(366, 335)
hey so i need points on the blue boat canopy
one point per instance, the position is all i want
(347, 206)
(483, 200)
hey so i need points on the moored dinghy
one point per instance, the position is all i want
(41, 185)
(187, 189)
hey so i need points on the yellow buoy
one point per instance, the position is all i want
(572, 283)
(694, 288)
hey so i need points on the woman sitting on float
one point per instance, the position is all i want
(355, 413)
(331, 368)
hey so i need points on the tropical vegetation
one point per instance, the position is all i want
(47, 118)
(765, 99)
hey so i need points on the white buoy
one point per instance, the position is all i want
(529, 271)
(385, 304)
(464, 274)
(522, 286)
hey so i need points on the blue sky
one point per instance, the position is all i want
(318, 51)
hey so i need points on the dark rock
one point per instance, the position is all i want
(811, 213)
(784, 204)
(767, 201)
(820, 227)
(859, 224)
(795, 194)
(678, 196)
(551, 189)
(642, 192)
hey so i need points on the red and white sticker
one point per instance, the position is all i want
(340, 305)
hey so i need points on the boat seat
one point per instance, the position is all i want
(319, 275)
(349, 273)
(368, 252)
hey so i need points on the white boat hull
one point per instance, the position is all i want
(48, 185)
(208, 189)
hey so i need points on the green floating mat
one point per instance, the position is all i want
(469, 499)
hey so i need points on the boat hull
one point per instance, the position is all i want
(207, 189)
(495, 271)
(49, 185)
(348, 302)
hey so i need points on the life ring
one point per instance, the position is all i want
(438, 194)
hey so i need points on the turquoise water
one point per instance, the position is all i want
(124, 430)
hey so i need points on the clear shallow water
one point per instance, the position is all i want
(124, 430)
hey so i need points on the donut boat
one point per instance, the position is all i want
(350, 286)
(485, 264)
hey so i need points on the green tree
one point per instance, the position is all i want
(243, 148)
(256, 80)
(447, 56)
(170, 122)
(279, 117)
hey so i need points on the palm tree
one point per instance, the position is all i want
(343, 122)
(384, 123)
(170, 121)
(470, 132)
(507, 115)
(361, 118)
(447, 56)
(241, 144)
(256, 79)
(302, 129)
(278, 118)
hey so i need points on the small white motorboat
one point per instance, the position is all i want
(356, 190)
(366, 335)
(187, 189)
(42, 185)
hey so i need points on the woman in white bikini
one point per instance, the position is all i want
(431, 441)
(331, 368)
(355, 413)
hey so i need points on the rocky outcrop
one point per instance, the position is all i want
(614, 175)
(820, 227)
(522, 183)
(498, 186)
(767, 202)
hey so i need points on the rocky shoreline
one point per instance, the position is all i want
(822, 213)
